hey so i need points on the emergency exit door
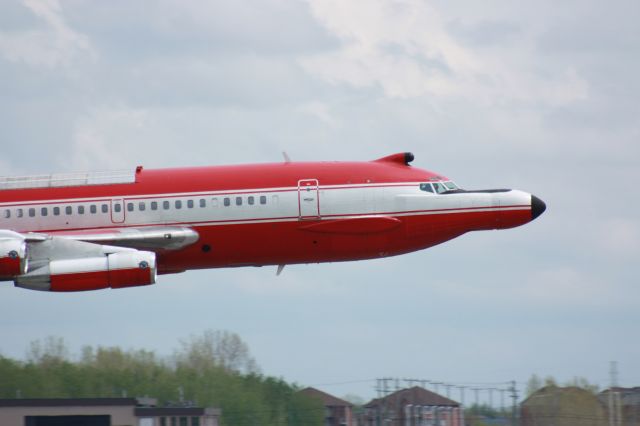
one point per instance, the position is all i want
(308, 200)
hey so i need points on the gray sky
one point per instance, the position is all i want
(541, 96)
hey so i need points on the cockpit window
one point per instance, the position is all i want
(450, 186)
(426, 187)
(440, 188)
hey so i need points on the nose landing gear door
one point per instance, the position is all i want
(308, 200)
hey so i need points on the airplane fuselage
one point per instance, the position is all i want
(269, 214)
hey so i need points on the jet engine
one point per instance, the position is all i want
(13, 256)
(115, 270)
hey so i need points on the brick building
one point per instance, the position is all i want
(414, 406)
(622, 405)
(338, 412)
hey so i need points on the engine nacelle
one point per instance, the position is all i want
(115, 270)
(13, 256)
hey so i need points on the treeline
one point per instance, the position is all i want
(214, 369)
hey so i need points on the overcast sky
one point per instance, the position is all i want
(541, 96)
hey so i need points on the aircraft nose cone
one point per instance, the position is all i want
(537, 207)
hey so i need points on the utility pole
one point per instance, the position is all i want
(615, 409)
(436, 384)
(514, 396)
(448, 386)
(461, 394)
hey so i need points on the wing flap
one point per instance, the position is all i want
(153, 238)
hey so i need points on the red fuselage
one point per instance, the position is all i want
(272, 214)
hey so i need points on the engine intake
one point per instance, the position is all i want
(13, 257)
(115, 270)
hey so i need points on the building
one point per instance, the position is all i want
(622, 405)
(338, 412)
(101, 412)
(562, 406)
(414, 406)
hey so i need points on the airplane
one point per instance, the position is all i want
(88, 231)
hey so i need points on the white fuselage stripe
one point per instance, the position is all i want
(251, 206)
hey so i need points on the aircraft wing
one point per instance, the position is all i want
(78, 261)
(154, 238)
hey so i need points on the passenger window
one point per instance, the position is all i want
(154, 205)
(32, 212)
(251, 200)
(203, 202)
(93, 209)
(19, 213)
(56, 211)
(141, 206)
(129, 207)
(68, 210)
(80, 209)
(190, 204)
(178, 204)
(263, 199)
(165, 205)
(227, 202)
(426, 187)
(44, 211)
(238, 201)
(7, 214)
(105, 208)
(214, 202)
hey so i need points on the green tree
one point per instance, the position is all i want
(533, 384)
(214, 369)
(583, 383)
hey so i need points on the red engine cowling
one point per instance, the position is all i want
(116, 270)
(13, 258)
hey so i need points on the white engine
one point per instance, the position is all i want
(116, 270)
(13, 255)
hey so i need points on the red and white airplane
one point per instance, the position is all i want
(89, 231)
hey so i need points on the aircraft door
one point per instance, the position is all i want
(117, 210)
(308, 199)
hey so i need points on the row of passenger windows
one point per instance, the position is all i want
(56, 211)
(131, 206)
(202, 202)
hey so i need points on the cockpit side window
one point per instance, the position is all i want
(451, 186)
(426, 187)
(439, 187)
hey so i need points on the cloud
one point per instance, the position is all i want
(407, 50)
(321, 111)
(54, 44)
(103, 137)
(620, 238)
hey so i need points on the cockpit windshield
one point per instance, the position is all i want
(451, 186)
(438, 187)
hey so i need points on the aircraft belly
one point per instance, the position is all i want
(277, 243)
